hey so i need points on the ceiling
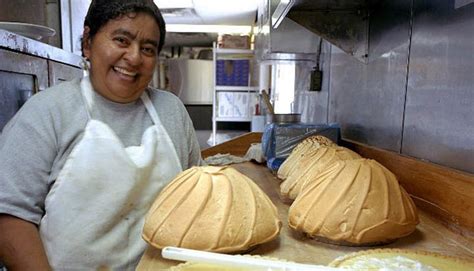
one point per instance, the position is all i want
(204, 12)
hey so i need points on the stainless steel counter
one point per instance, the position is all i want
(18, 43)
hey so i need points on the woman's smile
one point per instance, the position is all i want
(125, 75)
(123, 71)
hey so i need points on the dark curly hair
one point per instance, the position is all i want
(102, 11)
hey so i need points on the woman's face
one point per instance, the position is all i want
(123, 56)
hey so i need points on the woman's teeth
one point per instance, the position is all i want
(123, 71)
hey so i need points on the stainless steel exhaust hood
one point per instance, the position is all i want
(279, 9)
(344, 23)
(280, 38)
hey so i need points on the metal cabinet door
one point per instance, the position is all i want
(59, 72)
(15, 89)
(20, 77)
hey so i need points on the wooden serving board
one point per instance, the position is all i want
(430, 235)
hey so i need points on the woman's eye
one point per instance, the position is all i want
(149, 50)
(120, 40)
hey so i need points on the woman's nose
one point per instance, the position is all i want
(133, 55)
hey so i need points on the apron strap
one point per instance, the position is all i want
(150, 108)
(88, 97)
(87, 92)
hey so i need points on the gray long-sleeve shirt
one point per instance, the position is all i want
(36, 142)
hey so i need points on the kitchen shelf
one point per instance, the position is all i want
(232, 103)
(230, 119)
(249, 52)
(236, 88)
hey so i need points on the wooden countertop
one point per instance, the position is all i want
(430, 234)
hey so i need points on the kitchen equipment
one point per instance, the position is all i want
(286, 118)
(33, 31)
(253, 263)
(15, 89)
(190, 80)
(279, 118)
(266, 99)
(279, 9)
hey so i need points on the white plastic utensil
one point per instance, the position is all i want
(190, 255)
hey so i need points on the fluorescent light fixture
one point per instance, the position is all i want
(202, 28)
(163, 4)
(230, 7)
(177, 12)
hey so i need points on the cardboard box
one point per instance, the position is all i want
(225, 104)
(233, 41)
(232, 72)
(239, 105)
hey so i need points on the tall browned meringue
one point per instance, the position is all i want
(354, 202)
(213, 209)
(299, 152)
(310, 165)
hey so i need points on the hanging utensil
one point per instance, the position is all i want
(279, 118)
(266, 99)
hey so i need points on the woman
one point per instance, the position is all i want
(82, 161)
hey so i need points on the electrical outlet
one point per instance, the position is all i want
(316, 80)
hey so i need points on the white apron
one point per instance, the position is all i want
(95, 210)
